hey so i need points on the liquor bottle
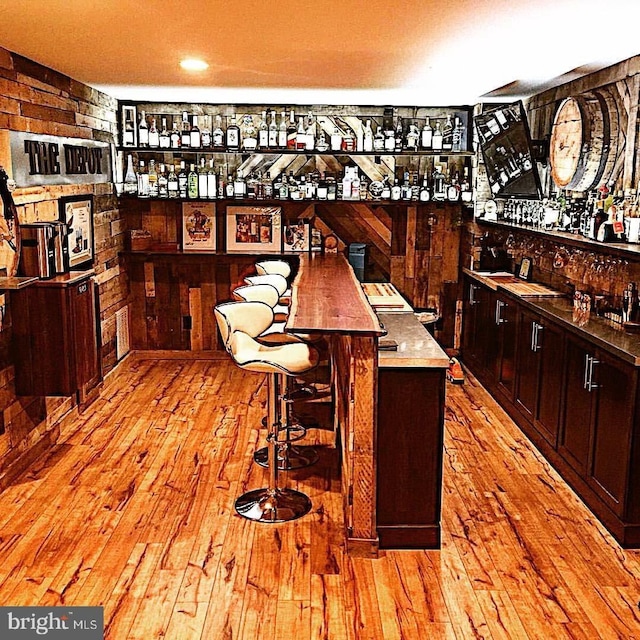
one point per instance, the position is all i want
(322, 190)
(493, 125)
(386, 189)
(212, 187)
(185, 135)
(130, 179)
(436, 140)
(218, 134)
(332, 190)
(378, 140)
(412, 137)
(292, 130)
(143, 181)
(267, 184)
(175, 136)
(389, 140)
(195, 139)
(301, 135)
(396, 190)
(154, 135)
(348, 140)
(310, 133)
(425, 194)
(263, 132)
(172, 183)
(239, 186)
(283, 188)
(183, 179)
(233, 135)
(221, 184)
(367, 137)
(457, 134)
(143, 131)
(192, 183)
(399, 135)
(203, 179)
(249, 133)
(439, 192)
(502, 119)
(272, 133)
(336, 139)
(228, 188)
(405, 189)
(252, 186)
(447, 135)
(282, 132)
(128, 135)
(322, 144)
(163, 183)
(355, 184)
(426, 136)
(453, 190)
(294, 187)
(205, 132)
(153, 179)
(259, 186)
(164, 138)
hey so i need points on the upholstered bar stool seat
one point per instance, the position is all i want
(279, 283)
(240, 323)
(277, 267)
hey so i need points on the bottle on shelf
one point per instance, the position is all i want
(332, 187)
(175, 136)
(152, 178)
(396, 190)
(466, 194)
(164, 138)
(267, 186)
(453, 189)
(185, 134)
(378, 140)
(322, 189)
(283, 188)
(217, 136)
(195, 139)
(405, 189)
(272, 132)
(398, 136)
(389, 137)
(336, 139)
(310, 133)
(436, 139)
(205, 132)
(130, 179)
(143, 181)
(249, 134)
(367, 137)
(203, 179)
(447, 134)
(301, 135)
(163, 182)
(192, 183)
(239, 186)
(233, 135)
(263, 132)
(282, 132)
(252, 187)
(426, 136)
(322, 145)
(439, 187)
(154, 135)
(348, 140)
(212, 187)
(294, 188)
(228, 187)
(128, 133)
(172, 183)
(292, 130)
(183, 180)
(143, 131)
(458, 131)
(413, 135)
(425, 193)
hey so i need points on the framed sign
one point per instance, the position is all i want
(254, 229)
(198, 226)
(296, 236)
(524, 272)
(76, 212)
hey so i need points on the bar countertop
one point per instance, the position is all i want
(327, 297)
(417, 348)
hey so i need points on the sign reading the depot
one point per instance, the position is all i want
(48, 160)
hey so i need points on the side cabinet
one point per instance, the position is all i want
(55, 338)
(479, 334)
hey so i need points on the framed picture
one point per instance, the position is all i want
(296, 236)
(76, 212)
(198, 226)
(254, 229)
(524, 272)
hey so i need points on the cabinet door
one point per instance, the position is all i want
(506, 319)
(526, 391)
(549, 343)
(470, 324)
(576, 432)
(487, 335)
(616, 387)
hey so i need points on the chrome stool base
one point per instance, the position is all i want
(273, 505)
(291, 457)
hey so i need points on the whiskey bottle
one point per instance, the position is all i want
(282, 132)
(378, 140)
(218, 134)
(336, 139)
(192, 183)
(175, 136)
(405, 189)
(348, 140)
(389, 140)
(163, 183)
(164, 138)
(292, 131)
(436, 140)
(453, 190)
(185, 135)
(143, 131)
(130, 179)
(465, 187)
(367, 138)
(426, 136)
(228, 188)
(447, 135)
(310, 133)
(195, 139)
(396, 190)
(128, 134)
(203, 179)
(301, 135)
(152, 178)
(267, 185)
(439, 190)
(154, 135)
(425, 194)
(412, 137)
(399, 135)
(212, 187)
(263, 132)
(272, 133)
(143, 181)
(239, 186)
(205, 132)
(233, 135)
(457, 134)
(183, 179)
(172, 183)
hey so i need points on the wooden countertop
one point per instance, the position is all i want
(328, 298)
(66, 279)
(417, 348)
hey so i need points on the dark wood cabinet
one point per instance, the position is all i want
(55, 337)
(479, 329)
(506, 323)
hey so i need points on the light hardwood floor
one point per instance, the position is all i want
(133, 510)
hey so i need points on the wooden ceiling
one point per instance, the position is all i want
(428, 52)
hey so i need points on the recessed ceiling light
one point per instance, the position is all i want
(193, 64)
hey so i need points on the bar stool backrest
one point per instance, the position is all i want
(269, 267)
(275, 280)
(251, 318)
(266, 293)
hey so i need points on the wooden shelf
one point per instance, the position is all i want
(277, 152)
(14, 283)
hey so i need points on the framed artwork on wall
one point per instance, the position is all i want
(254, 229)
(76, 212)
(198, 226)
(296, 236)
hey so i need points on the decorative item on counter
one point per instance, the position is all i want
(524, 271)
(581, 307)
(560, 259)
(141, 240)
(316, 240)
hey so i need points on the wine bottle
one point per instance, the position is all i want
(212, 187)
(203, 179)
(163, 183)
(130, 179)
(272, 134)
(282, 132)
(164, 138)
(172, 183)
(195, 140)
(143, 131)
(263, 132)
(152, 178)
(426, 136)
(367, 138)
(217, 135)
(183, 179)
(154, 135)
(292, 131)
(192, 183)
(233, 135)
(185, 135)
(176, 139)
(205, 132)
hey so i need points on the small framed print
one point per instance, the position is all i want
(254, 230)
(198, 226)
(524, 271)
(296, 236)
(76, 213)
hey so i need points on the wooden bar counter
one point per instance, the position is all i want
(327, 298)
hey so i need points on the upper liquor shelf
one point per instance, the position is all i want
(317, 129)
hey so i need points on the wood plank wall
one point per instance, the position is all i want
(37, 99)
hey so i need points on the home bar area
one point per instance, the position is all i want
(355, 371)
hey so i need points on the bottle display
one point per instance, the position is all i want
(153, 135)
(143, 131)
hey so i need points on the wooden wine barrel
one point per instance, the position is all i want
(584, 141)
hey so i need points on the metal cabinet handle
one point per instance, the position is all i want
(585, 382)
(537, 328)
(589, 364)
(499, 318)
(472, 296)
